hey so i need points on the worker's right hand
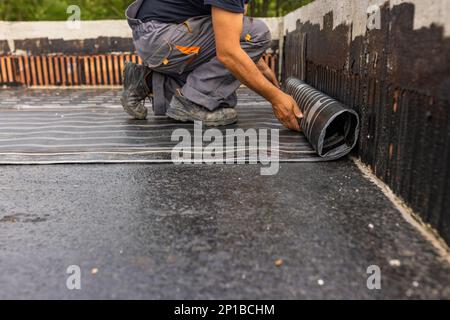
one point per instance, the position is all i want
(287, 111)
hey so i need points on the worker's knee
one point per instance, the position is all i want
(259, 33)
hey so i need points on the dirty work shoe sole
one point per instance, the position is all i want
(184, 116)
(134, 112)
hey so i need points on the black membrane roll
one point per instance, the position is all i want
(330, 127)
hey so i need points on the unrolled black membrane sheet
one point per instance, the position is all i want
(52, 126)
(330, 127)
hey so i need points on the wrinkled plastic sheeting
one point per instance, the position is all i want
(330, 127)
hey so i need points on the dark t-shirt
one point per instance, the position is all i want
(180, 10)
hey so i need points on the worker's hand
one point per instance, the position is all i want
(228, 27)
(287, 111)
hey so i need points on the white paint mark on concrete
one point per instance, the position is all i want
(395, 263)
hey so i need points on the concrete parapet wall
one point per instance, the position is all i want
(354, 12)
(93, 37)
(395, 71)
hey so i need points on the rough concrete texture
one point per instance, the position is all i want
(88, 29)
(354, 12)
(14, 33)
(165, 231)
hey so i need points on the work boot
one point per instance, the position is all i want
(184, 110)
(135, 90)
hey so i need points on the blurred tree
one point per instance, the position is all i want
(16, 10)
(22, 10)
(270, 8)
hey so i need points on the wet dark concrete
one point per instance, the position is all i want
(165, 231)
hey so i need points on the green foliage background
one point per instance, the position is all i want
(274, 8)
(24, 10)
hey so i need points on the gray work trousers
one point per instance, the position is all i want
(183, 56)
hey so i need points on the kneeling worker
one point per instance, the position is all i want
(196, 55)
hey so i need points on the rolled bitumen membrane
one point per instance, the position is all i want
(330, 127)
